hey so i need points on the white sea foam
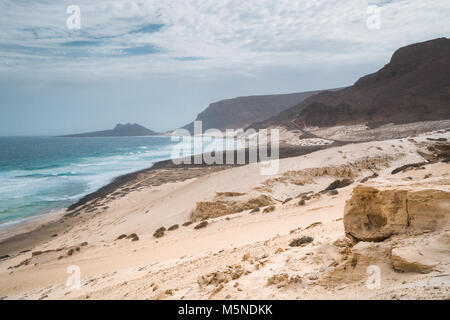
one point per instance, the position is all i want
(25, 193)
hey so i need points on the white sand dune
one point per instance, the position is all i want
(243, 255)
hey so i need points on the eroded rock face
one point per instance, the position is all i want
(422, 254)
(358, 259)
(429, 210)
(410, 259)
(374, 215)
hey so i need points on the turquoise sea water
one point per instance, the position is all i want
(43, 174)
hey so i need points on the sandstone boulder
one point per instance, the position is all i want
(374, 215)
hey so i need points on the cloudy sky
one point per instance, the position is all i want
(159, 63)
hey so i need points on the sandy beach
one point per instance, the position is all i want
(224, 159)
(228, 231)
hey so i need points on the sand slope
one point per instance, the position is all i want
(246, 255)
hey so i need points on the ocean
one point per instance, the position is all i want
(39, 175)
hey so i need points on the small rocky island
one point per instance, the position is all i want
(120, 130)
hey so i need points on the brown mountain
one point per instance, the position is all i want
(413, 86)
(239, 112)
(120, 130)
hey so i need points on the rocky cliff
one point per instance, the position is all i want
(413, 86)
(240, 112)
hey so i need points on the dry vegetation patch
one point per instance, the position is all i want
(301, 241)
(160, 232)
(283, 280)
(218, 278)
(269, 209)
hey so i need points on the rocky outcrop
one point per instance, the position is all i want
(357, 259)
(394, 227)
(423, 253)
(410, 259)
(374, 215)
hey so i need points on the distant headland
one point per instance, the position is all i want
(120, 130)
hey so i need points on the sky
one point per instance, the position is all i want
(160, 63)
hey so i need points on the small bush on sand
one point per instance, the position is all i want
(122, 236)
(269, 209)
(229, 194)
(364, 180)
(201, 225)
(301, 241)
(133, 237)
(159, 233)
(339, 184)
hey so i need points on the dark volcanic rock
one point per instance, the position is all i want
(122, 236)
(300, 241)
(413, 86)
(364, 180)
(408, 166)
(339, 184)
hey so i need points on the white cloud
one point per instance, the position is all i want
(209, 34)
